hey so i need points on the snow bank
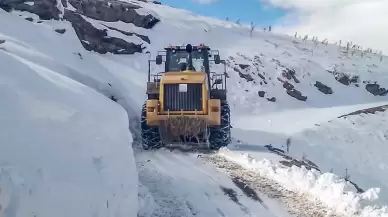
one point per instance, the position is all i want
(65, 150)
(357, 143)
(327, 188)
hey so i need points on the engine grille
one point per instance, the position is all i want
(177, 98)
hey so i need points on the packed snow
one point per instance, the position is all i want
(197, 188)
(66, 149)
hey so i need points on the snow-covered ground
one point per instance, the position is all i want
(64, 148)
(180, 184)
(66, 145)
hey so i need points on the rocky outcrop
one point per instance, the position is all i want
(272, 99)
(372, 110)
(90, 37)
(290, 74)
(61, 31)
(288, 86)
(376, 90)
(296, 94)
(261, 93)
(291, 91)
(143, 37)
(323, 88)
(97, 40)
(45, 9)
(247, 77)
(346, 80)
(105, 10)
(343, 78)
(243, 66)
(113, 11)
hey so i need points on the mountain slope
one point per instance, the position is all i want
(57, 158)
(107, 53)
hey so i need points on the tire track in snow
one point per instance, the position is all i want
(181, 184)
(296, 204)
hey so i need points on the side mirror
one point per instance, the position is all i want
(159, 59)
(218, 81)
(217, 59)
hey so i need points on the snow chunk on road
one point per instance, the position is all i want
(327, 188)
(65, 150)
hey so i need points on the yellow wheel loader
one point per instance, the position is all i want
(186, 103)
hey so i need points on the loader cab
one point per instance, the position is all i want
(191, 58)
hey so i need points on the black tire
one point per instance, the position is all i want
(220, 136)
(150, 135)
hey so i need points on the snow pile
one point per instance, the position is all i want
(327, 187)
(356, 143)
(65, 150)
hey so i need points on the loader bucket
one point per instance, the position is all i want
(184, 130)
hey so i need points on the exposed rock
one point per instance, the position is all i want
(45, 9)
(112, 11)
(258, 60)
(261, 76)
(288, 86)
(297, 95)
(157, 3)
(323, 88)
(372, 110)
(308, 164)
(64, 3)
(247, 77)
(60, 31)
(299, 164)
(272, 99)
(98, 40)
(2, 41)
(376, 90)
(243, 66)
(29, 19)
(344, 78)
(258, 71)
(261, 93)
(143, 37)
(105, 10)
(290, 74)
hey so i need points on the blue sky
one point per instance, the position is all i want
(245, 10)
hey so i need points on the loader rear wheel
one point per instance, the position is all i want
(220, 135)
(149, 134)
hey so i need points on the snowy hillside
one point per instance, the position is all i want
(64, 148)
(65, 141)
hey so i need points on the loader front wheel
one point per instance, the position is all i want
(149, 134)
(220, 136)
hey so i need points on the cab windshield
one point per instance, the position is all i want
(179, 61)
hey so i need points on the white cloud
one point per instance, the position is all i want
(364, 22)
(205, 2)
